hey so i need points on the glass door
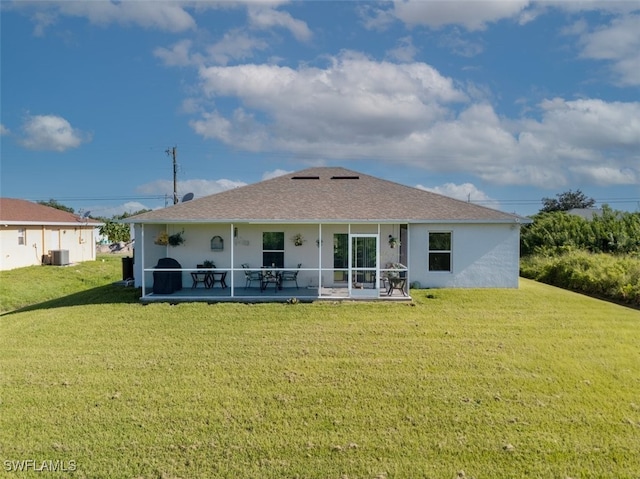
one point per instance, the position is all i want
(363, 266)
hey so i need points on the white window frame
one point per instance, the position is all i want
(22, 236)
(446, 251)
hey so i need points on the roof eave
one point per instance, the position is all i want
(514, 220)
(49, 223)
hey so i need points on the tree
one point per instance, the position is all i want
(55, 204)
(567, 201)
(116, 231)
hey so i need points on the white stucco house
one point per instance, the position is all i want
(322, 233)
(33, 234)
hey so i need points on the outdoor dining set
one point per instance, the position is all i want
(265, 276)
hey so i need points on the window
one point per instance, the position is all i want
(439, 251)
(340, 256)
(273, 249)
(22, 236)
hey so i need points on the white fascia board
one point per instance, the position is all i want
(514, 220)
(50, 223)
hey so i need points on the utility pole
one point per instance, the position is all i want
(173, 152)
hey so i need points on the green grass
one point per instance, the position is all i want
(535, 382)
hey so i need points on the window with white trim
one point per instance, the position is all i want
(440, 251)
(22, 236)
(273, 249)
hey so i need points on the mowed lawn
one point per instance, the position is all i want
(535, 382)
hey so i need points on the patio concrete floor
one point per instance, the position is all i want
(254, 295)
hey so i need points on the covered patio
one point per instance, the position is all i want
(267, 263)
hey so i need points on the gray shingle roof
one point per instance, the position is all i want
(326, 194)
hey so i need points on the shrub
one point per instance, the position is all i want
(598, 274)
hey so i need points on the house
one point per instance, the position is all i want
(346, 235)
(33, 234)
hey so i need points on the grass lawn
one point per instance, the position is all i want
(535, 382)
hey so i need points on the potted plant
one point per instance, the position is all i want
(176, 239)
(208, 264)
(393, 241)
(298, 239)
(162, 239)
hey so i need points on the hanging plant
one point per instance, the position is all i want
(393, 241)
(176, 239)
(298, 239)
(162, 239)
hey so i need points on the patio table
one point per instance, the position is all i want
(220, 277)
(204, 277)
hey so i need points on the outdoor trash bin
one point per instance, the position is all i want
(127, 268)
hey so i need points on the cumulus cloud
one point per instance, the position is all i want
(617, 43)
(465, 192)
(404, 52)
(169, 16)
(199, 187)
(264, 18)
(116, 210)
(51, 132)
(358, 108)
(473, 15)
(354, 101)
(267, 175)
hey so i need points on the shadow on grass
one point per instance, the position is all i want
(108, 294)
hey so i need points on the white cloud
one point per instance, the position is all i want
(167, 15)
(465, 192)
(178, 55)
(267, 175)
(618, 43)
(354, 102)
(405, 51)
(4, 130)
(51, 132)
(199, 187)
(235, 45)
(357, 108)
(263, 17)
(117, 210)
(473, 15)
(605, 175)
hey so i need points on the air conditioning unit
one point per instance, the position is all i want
(59, 257)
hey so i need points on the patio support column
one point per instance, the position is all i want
(142, 258)
(377, 284)
(233, 261)
(349, 264)
(319, 259)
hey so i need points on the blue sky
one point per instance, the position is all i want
(501, 103)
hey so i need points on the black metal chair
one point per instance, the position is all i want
(251, 275)
(289, 275)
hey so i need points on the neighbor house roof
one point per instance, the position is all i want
(325, 194)
(22, 212)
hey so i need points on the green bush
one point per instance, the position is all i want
(613, 277)
(608, 232)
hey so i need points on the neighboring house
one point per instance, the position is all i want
(352, 233)
(33, 234)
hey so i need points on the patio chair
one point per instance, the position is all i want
(251, 275)
(289, 275)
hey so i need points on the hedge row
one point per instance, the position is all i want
(602, 275)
